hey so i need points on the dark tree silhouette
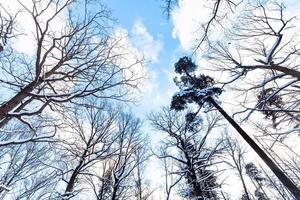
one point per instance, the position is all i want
(200, 89)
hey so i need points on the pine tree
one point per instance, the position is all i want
(200, 89)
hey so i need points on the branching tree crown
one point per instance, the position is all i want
(193, 88)
(78, 58)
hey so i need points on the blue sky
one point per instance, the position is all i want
(149, 15)
(174, 36)
(162, 41)
(169, 40)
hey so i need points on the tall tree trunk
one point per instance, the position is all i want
(191, 176)
(244, 184)
(139, 184)
(277, 171)
(114, 194)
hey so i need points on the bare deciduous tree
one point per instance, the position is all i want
(7, 21)
(27, 172)
(75, 55)
(261, 56)
(237, 154)
(194, 157)
(219, 11)
(126, 161)
(142, 190)
(99, 152)
(88, 139)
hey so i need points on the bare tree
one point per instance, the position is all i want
(261, 56)
(118, 181)
(194, 157)
(7, 21)
(27, 172)
(87, 140)
(142, 189)
(171, 179)
(125, 162)
(102, 190)
(220, 9)
(237, 154)
(99, 145)
(78, 58)
(76, 54)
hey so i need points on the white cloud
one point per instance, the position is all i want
(25, 42)
(145, 42)
(186, 19)
(131, 57)
(191, 17)
(139, 43)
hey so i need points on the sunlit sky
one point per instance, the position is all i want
(162, 40)
(150, 31)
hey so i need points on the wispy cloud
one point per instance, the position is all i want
(145, 42)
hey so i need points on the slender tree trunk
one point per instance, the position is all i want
(114, 193)
(277, 171)
(244, 185)
(71, 182)
(139, 184)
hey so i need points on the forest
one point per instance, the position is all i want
(93, 110)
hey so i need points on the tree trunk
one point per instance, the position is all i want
(191, 176)
(16, 100)
(277, 171)
(244, 185)
(114, 193)
(11, 104)
(71, 182)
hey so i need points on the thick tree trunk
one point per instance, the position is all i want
(16, 100)
(277, 171)
(22, 95)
